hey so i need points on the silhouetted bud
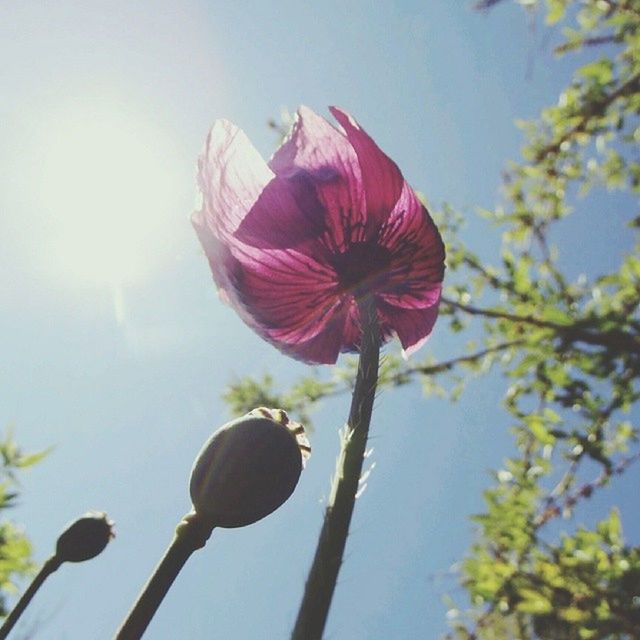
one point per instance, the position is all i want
(248, 468)
(85, 538)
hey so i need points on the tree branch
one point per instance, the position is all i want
(615, 339)
(483, 5)
(588, 42)
(596, 109)
(447, 365)
(553, 507)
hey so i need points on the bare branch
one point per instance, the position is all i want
(588, 42)
(615, 339)
(553, 507)
(484, 5)
(469, 359)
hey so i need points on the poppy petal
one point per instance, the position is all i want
(319, 157)
(382, 181)
(303, 317)
(417, 254)
(231, 177)
(412, 326)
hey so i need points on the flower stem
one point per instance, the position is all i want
(191, 534)
(323, 575)
(47, 569)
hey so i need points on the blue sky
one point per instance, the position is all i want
(116, 349)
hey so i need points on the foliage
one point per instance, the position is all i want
(567, 344)
(574, 375)
(15, 548)
(247, 393)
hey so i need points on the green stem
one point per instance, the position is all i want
(47, 569)
(321, 582)
(191, 534)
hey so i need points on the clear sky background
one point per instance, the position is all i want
(115, 348)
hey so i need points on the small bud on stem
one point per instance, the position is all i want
(81, 540)
(85, 538)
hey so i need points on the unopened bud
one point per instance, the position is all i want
(248, 468)
(85, 538)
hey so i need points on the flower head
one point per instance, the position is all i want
(295, 243)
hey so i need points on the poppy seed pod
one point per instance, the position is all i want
(248, 468)
(85, 538)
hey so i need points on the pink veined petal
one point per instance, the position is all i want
(416, 267)
(247, 278)
(285, 215)
(412, 326)
(231, 176)
(317, 156)
(290, 294)
(291, 300)
(222, 264)
(243, 198)
(325, 347)
(381, 179)
(413, 297)
(216, 251)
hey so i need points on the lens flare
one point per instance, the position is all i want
(108, 194)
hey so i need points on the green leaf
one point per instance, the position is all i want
(556, 11)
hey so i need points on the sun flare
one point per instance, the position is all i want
(108, 193)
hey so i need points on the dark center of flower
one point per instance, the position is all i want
(362, 267)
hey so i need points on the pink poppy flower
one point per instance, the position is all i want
(293, 244)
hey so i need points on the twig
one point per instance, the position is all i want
(554, 507)
(614, 338)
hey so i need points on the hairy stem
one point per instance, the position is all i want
(321, 582)
(191, 534)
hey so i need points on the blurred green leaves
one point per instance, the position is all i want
(15, 548)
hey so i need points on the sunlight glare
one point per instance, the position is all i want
(109, 194)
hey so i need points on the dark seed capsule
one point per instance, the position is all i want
(85, 538)
(248, 468)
